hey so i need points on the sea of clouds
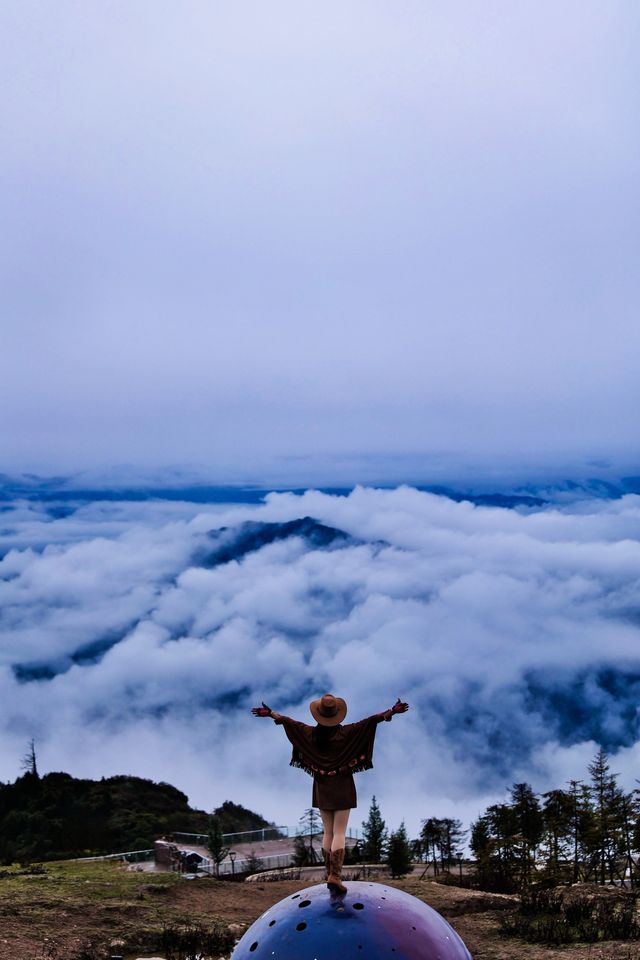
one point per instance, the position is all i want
(130, 643)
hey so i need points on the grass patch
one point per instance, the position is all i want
(54, 886)
(72, 911)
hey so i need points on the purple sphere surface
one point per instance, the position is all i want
(370, 922)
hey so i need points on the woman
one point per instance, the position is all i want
(331, 753)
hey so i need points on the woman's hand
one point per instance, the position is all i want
(263, 711)
(399, 706)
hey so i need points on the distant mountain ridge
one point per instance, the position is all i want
(66, 491)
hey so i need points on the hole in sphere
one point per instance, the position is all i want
(273, 921)
(295, 896)
(253, 946)
(358, 906)
(304, 903)
(301, 926)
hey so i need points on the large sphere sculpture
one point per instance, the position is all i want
(370, 922)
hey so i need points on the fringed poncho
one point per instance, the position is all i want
(346, 749)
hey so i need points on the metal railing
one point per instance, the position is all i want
(249, 836)
(228, 868)
(244, 836)
(131, 856)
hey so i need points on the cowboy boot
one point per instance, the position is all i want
(334, 880)
(327, 862)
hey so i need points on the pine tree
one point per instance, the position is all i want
(29, 760)
(311, 823)
(482, 846)
(581, 825)
(529, 825)
(557, 814)
(374, 835)
(398, 856)
(432, 836)
(215, 842)
(503, 828)
(630, 811)
(607, 821)
(452, 840)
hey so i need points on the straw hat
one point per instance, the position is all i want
(328, 710)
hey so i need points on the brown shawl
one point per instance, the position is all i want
(346, 749)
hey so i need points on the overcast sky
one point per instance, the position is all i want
(258, 235)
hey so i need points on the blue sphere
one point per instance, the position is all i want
(370, 922)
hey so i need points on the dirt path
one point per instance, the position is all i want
(60, 911)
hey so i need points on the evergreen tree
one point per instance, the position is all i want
(529, 824)
(215, 842)
(432, 837)
(418, 850)
(29, 761)
(398, 856)
(502, 825)
(557, 816)
(494, 842)
(581, 825)
(311, 824)
(635, 830)
(607, 827)
(374, 835)
(630, 814)
(452, 837)
(482, 846)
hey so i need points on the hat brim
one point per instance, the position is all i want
(341, 713)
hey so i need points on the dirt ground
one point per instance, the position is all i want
(49, 916)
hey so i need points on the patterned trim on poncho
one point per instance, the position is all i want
(350, 750)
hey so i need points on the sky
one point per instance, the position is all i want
(361, 244)
(361, 240)
(137, 636)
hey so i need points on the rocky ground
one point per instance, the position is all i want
(53, 915)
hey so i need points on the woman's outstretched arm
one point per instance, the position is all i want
(399, 707)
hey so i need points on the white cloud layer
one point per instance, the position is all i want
(514, 635)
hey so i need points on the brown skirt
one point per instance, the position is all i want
(334, 793)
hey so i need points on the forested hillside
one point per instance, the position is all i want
(56, 816)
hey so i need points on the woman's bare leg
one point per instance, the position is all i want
(327, 823)
(340, 821)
